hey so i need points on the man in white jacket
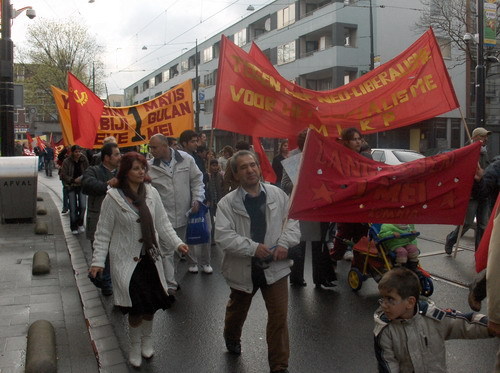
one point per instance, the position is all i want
(254, 233)
(180, 183)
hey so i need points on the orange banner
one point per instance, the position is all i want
(253, 99)
(169, 114)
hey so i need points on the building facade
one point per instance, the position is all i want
(320, 45)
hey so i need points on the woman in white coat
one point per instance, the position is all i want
(132, 220)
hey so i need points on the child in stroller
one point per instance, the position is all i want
(403, 244)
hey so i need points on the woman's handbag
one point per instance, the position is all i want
(197, 228)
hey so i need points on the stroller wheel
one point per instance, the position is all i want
(427, 286)
(355, 279)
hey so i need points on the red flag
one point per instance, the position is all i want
(40, 143)
(337, 184)
(86, 110)
(30, 141)
(267, 170)
(253, 99)
(482, 251)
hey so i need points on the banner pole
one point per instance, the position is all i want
(458, 240)
(465, 124)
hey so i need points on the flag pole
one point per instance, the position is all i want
(465, 124)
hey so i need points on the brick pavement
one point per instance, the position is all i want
(85, 339)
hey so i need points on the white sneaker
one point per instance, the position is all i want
(348, 255)
(193, 268)
(81, 229)
(75, 232)
(207, 269)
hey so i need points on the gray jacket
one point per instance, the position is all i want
(95, 185)
(177, 192)
(232, 234)
(417, 345)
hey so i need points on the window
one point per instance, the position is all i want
(158, 79)
(208, 54)
(184, 66)
(445, 46)
(209, 106)
(210, 79)
(145, 85)
(136, 90)
(240, 38)
(286, 53)
(286, 16)
(174, 71)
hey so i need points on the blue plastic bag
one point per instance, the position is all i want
(197, 228)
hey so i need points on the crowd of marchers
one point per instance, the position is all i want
(135, 207)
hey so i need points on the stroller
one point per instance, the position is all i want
(372, 259)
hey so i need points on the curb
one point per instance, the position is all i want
(41, 348)
(109, 355)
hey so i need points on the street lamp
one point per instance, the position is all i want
(7, 77)
(480, 68)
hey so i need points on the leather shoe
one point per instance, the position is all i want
(233, 347)
(474, 304)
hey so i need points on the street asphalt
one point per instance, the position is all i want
(330, 331)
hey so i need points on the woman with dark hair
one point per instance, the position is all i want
(132, 220)
(352, 139)
(277, 166)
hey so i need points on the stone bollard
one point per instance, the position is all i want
(41, 263)
(41, 227)
(41, 210)
(41, 348)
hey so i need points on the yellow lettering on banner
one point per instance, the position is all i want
(251, 98)
(321, 130)
(365, 125)
(300, 95)
(388, 117)
(293, 111)
(251, 71)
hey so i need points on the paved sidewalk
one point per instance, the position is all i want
(85, 339)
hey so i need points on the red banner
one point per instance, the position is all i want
(339, 185)
(253, 99)
(268, 173)
(86, 109)
(481, 254)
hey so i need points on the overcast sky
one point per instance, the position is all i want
(123, 27)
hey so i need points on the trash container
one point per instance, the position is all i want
(18, 185)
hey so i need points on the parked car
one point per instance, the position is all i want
(395, 156)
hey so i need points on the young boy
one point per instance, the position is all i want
(410, 335)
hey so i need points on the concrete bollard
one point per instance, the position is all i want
(41, 349)
(41, 227)
(41, 210)
(41, 263)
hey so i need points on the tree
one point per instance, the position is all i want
(54, 48)
(451, 20)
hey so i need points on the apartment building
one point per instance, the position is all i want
(320, 45)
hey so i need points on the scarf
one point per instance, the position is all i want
(149, 245)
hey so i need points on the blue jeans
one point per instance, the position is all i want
(106, 273)
(77, 205)
(65, 199)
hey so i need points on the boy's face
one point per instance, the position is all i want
(394, 306)
(214, 167)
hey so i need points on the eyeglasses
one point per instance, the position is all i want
(389, 301)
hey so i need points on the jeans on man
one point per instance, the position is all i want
(77, 205)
